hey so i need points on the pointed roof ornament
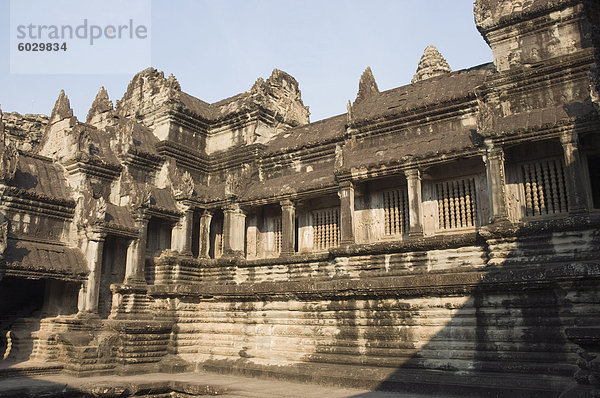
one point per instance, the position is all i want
(173, 83)
(349, 114)
(62, 108)
(432, 64)
(367, 85)
(100, 105)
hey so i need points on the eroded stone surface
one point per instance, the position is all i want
(439, 237)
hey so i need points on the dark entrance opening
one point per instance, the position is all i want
(21, 304)
(114, 258)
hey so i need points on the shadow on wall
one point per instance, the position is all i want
(504, 337)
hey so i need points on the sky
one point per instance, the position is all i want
(217, 49)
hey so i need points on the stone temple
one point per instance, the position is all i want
(440, 237)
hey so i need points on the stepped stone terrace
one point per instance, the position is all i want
(440, 237)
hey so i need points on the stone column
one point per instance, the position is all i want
(136, 255)
(415, 202)
(576, 185)
(234, 227)
(288, 227)
(494, 166)
(204, 234)
(346, 213)
(94, 250)
(185, 244)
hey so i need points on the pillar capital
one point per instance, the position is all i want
(287, 203)
(206, 213)
(412, 173)
(569, 138)
(347, 184)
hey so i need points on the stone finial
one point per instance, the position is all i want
(349, 114)
(367, 86)
(100, 105)
(62, 108)
(173, 83)
(432, 64)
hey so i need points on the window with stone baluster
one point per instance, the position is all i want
(544, 187)
(326, 230)
(395, 211)
(457, 203)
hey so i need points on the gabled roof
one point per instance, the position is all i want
(36, 260)
(449, 87)
(41, 176)
(309, 134)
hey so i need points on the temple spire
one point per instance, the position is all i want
(367, 86)
(432, 64)
(62, 108)
(100, 105)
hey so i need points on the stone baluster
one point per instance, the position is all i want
(415, 205)
(288, 227)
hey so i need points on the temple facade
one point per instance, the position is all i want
(442, 236)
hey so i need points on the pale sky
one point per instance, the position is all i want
(217, 49)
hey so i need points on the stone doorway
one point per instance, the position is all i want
(22, 301)
(114, 259)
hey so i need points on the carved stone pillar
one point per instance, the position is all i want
(234, 226)
(184, 233)
(347, 213)
(288, 227)
(415, 202)
(204, 234)
(577, 189)
(94, 250)
(136, 255)
(494, 166)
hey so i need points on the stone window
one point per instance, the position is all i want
(326, 229)
(544, 187)
(457, 203)
(395, 209)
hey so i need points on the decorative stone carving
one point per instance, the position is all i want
(101, 210)
(25, 131)
(141, 196)
(432, 64)
(9, 158)
(185, 187)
